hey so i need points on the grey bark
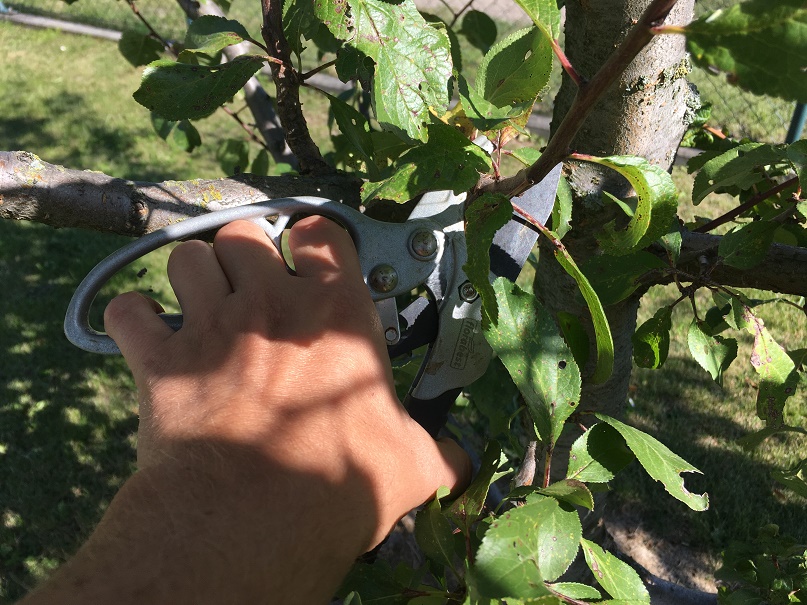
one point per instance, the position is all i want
(33, 190)
(645, 112)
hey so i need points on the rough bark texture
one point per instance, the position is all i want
(644, 113)
(33, 190)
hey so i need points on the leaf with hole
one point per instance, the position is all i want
(660, 463)
(483, 218)
(525, 547)
(760, 44)
(540, 363)
(177, 91)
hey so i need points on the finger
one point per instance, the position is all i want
(248, 257)
(321, 248)
(454, 467)
(131, 320)
(197, 278)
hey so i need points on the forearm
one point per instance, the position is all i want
(176, 535)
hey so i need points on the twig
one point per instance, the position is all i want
(253, 137)
(588, 94)
(747, 205)
(287, 82)
(168, 47)
(457, 14)
(548, 466)
(567, 65)
(316, 70)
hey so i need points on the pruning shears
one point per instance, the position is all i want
(425, 252)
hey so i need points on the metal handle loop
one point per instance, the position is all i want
(375, 241)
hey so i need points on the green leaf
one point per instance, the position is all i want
(483, 114)
(545, 14)
(479, 29)
(573, 590)
(233, 156)
(299, 22)
(434, 533)
(605, 343)
(660, 463)
(746, 246)
(713, 353)
(562, 211)
(355, 127)
(467, 509)
(376, 584)
(448, 161)
(575, 336)
(571, 491)
(412, 58)
(657, 203)
(778, 378)
(616, 577)
(539, 361)
(672, 243)
(495, 397)
(598, 455)
(139, 49)
(760, 44)
(209, 34)
(797, 156)
(260, 165)
(753, 440)
(615, 278)
(185, 136)
(528, 156)
(516, 69)
(162, 126)
(794, 478)
(483, 218)
(525, 547)
(651, 341)
(177, 91)
(735, 170)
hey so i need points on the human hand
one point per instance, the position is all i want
(274, 375)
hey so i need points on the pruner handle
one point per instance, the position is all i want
(395, 257)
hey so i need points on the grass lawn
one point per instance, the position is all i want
(67, 418)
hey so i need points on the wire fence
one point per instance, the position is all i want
(739, 113)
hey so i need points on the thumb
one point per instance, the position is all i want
(131, 320)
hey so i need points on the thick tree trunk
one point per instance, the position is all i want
(645, 113)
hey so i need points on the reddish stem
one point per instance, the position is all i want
(732, 214)
(566, 64)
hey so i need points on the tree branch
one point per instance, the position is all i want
(288, 82)
(258, 101)
(588, 94)
(33, 190)
(783, 270)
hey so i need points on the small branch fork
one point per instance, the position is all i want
(288, 82)
(588, 94)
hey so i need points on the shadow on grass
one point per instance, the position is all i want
(743, 497)
(64, 447)
(88, 143)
